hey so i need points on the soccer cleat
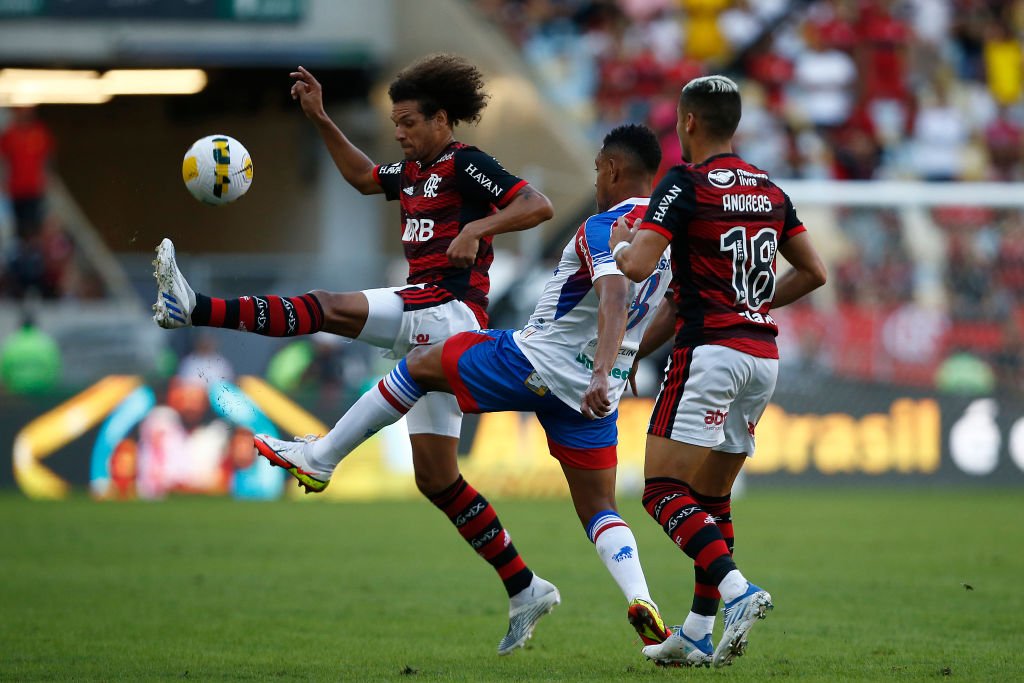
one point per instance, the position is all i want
(679, 650)
(647, 621)
(740, 615)
(295, 458)
(174, 298)
(525, 610)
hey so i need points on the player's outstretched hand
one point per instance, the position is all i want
(307, 90)
(596, 403)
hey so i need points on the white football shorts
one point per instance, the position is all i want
(397, 331)
(713, 396)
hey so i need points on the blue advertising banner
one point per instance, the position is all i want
(121, 438)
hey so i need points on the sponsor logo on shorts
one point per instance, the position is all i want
(422, 338)
(714, 419)
(750, 428)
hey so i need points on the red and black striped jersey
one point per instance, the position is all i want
(438, 198)
(725, 220)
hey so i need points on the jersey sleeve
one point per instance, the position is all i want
(592, 246)
(389, 177)
(791, 225)
(671, 205)
(481, 178)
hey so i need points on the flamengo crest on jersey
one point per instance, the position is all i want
(725, 221)
(561, 336)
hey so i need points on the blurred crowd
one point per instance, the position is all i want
(929, 90)
(844, 89)
(38, 257)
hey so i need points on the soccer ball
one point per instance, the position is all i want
(217, 169)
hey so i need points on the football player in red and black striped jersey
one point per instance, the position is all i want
(454, 199)
(725, 221)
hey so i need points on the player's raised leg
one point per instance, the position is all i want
(313, 460)
(178, 305)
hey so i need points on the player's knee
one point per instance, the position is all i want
(331, 307)
(344, 312)
(431, 482)
(334, 304)
(424, 364)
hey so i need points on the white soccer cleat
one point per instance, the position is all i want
(525, 610)
(679, 650)
(174, 298)
(740, 616)
(295, 457)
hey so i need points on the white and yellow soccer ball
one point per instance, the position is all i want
(217, 169)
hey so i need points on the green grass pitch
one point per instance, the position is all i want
(876, 584)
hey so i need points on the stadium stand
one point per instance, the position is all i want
(837, 90)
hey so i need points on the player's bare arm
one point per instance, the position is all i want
(808, 272)
(613, 297)
(640, 258)
(661, 328)
(355, 166)
(526, 210)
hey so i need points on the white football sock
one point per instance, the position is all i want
(616, 547)
(697, 626)
(371, 413)
(733, 586)
(537, 587)
(382, 405)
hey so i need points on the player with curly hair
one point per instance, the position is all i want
(454, 199)
(569, 366)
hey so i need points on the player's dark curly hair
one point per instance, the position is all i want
(638, 141)
(715, 100)
(442, 81)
